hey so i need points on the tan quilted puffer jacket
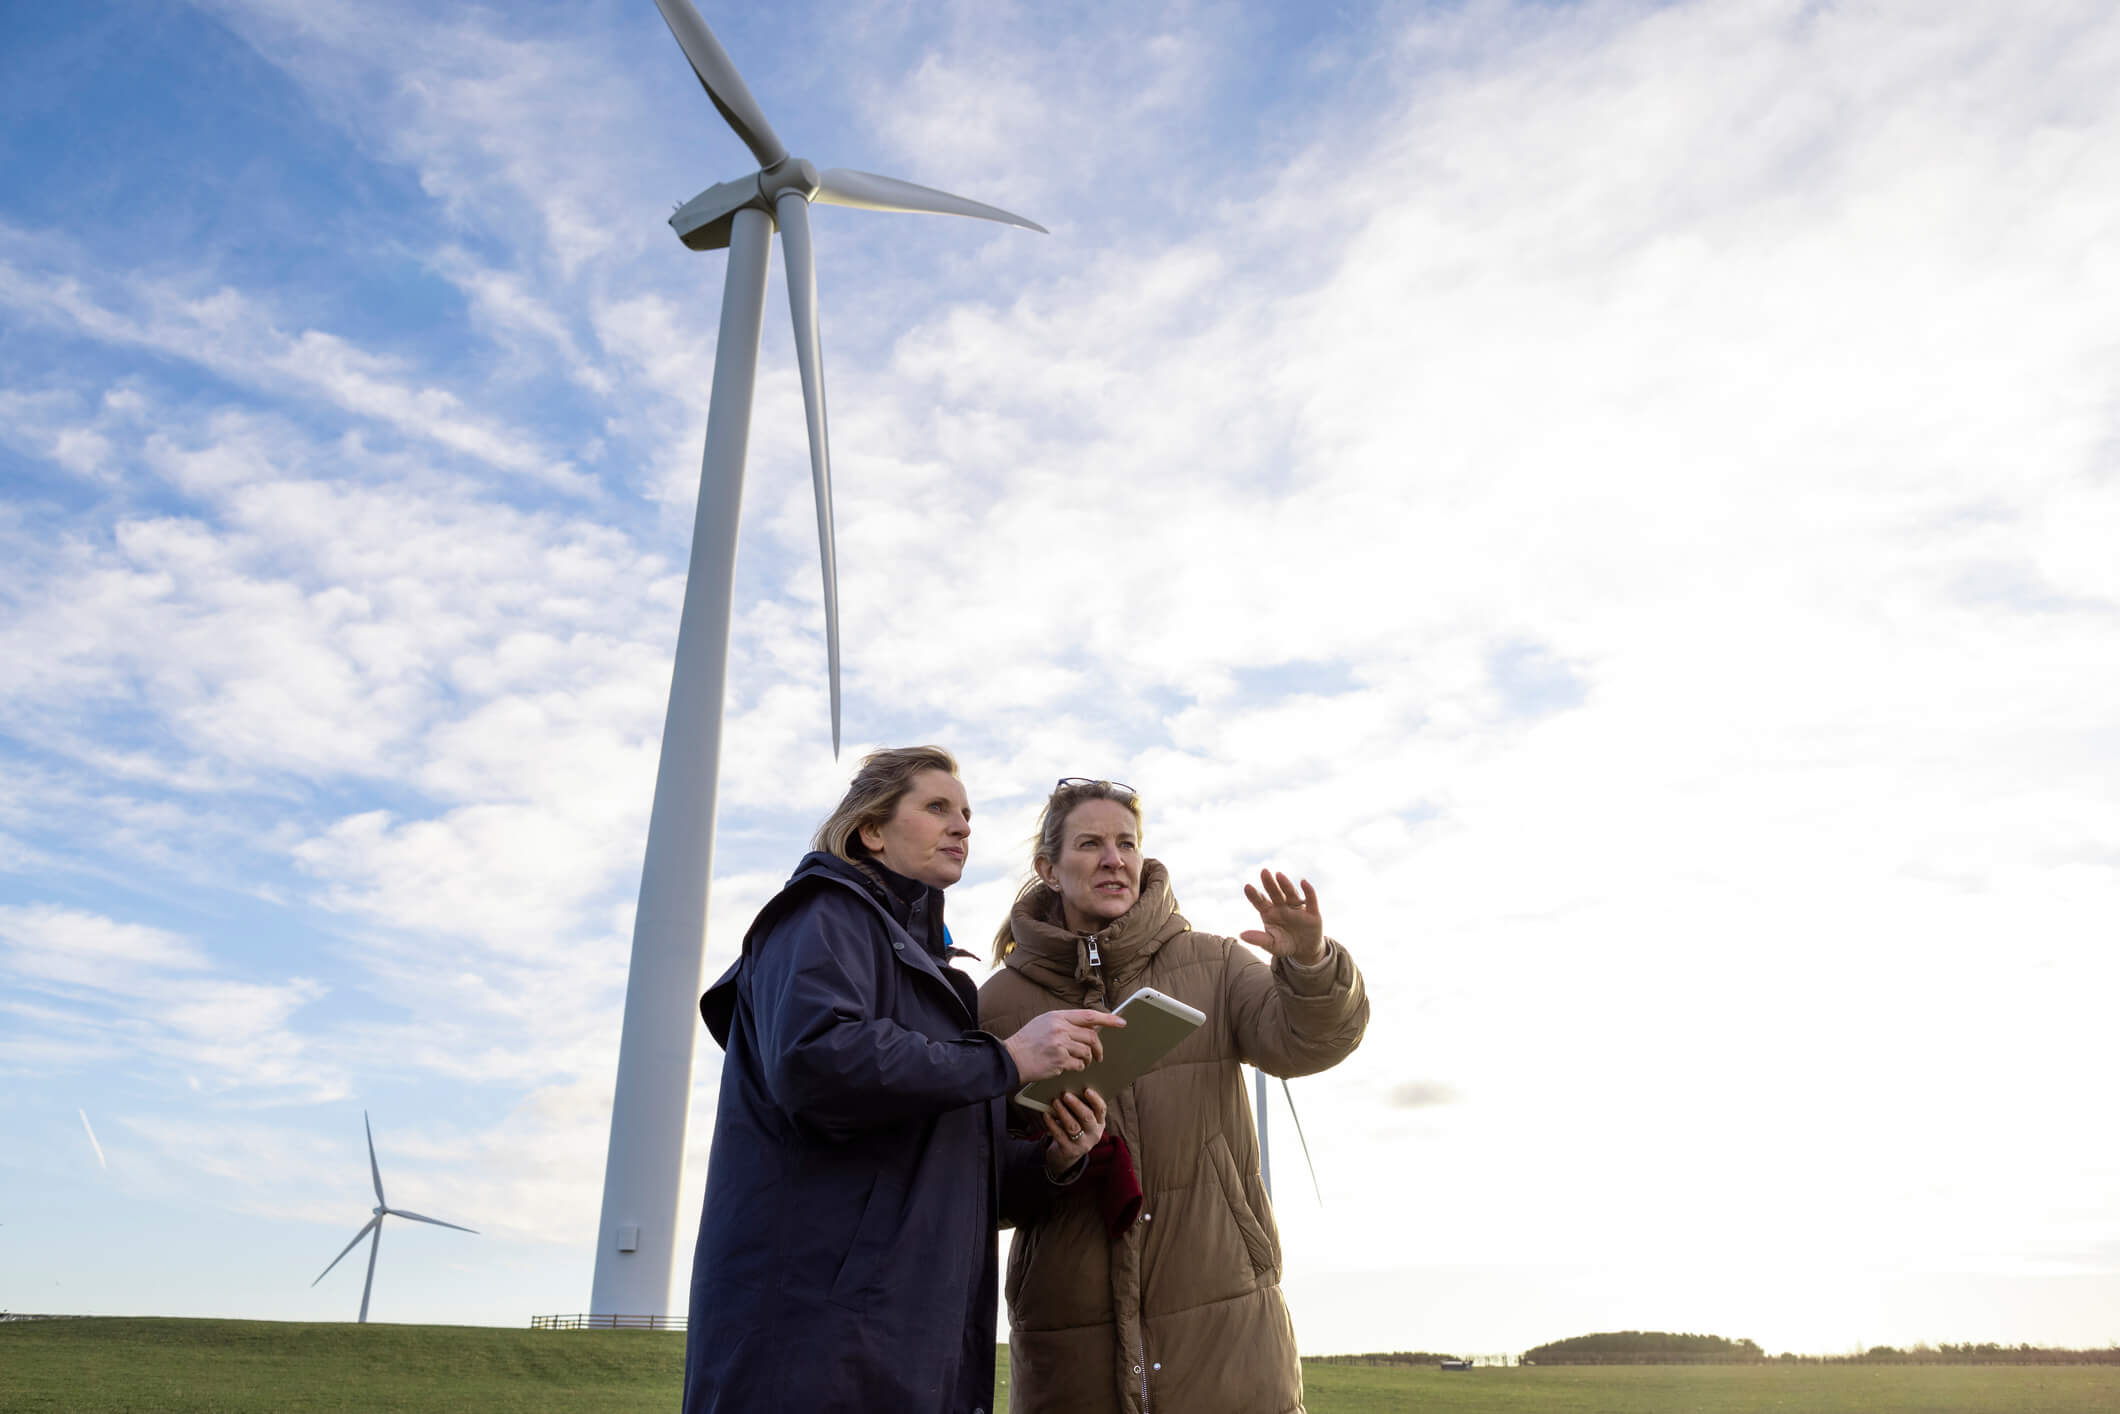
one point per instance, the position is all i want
(1183, 1313)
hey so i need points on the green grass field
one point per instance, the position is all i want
(1717, 1389)
(131, 1365)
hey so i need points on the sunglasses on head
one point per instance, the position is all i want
(1066, 781)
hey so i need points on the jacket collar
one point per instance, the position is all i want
(913, 909)
(1058, 959)
(913, 906)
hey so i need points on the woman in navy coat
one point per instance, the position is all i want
(861, 1159)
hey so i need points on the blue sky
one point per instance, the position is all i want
(1622, 496)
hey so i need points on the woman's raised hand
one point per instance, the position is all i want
(1076, 1123)
(1057, 1042)
(1290, 925)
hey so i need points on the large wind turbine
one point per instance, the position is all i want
(373, 1230)
(636, 1238)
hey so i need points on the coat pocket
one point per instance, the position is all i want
(864, 1272)
(1258, 1243)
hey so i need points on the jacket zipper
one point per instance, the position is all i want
(1096, 972)
(1096, 962)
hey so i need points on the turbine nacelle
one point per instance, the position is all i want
(703, 222)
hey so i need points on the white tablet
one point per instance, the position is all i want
(1154, 1024)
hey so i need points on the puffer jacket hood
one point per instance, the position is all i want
(1058, 959)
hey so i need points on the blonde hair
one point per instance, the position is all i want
(1052, 823)
(872, 798)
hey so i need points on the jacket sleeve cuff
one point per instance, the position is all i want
(1012, 1078)
(1074, 1171)
(1315, 979)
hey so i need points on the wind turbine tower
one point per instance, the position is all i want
(637, 1233)
(1265, 1151)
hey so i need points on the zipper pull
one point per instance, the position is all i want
(1094, 959)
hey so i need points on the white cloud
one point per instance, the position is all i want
(511, 308)
(228, 333)
(130, 994)
(67, 947)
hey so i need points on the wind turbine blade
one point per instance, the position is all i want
(718, 76)
(373, 1171)
(401, 1213)
(840, 186)
(347, 1248)
(1301, 1140)
(793, 213)
(375, 1244)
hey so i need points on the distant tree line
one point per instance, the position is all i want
(1665, 1348)
(1645, 1348)
(1985, 1353)
(1395, 1357)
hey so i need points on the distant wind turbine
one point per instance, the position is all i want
(373, 1230)
(637, 1233)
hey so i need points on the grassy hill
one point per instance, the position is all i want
(125, 1365)
(92, 1365)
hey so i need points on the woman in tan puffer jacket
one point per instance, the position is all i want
(1181, 1311)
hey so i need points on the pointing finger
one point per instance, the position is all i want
(1083, 1041)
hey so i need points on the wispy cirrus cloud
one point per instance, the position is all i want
(232, 334)
(137, 993)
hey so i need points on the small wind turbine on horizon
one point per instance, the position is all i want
(637, 1231)
(373, 1229)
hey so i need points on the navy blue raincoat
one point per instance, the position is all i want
(861, 1162)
